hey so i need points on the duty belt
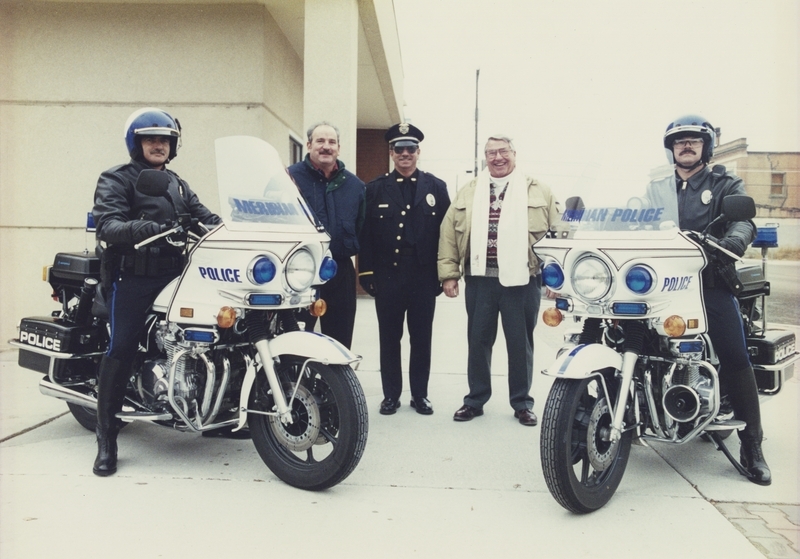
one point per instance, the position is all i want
(146, 264)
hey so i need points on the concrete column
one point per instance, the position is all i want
(330, 78)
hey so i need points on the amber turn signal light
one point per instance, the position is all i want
(318, 307)
(552, 316)
(226, 317)
(674, 326)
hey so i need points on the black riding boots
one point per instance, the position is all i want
(110, 395)
(744, 398)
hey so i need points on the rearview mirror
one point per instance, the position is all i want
(738, 208)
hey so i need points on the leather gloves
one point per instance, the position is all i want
(143, 229)
(368, 284)
(733, 244)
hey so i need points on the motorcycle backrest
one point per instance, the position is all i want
(738, 208)
(152, 183)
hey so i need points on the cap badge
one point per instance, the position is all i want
(403, 128)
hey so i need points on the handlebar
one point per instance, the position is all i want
(146, 242)
(705, 239)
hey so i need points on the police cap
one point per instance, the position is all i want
(404, 134)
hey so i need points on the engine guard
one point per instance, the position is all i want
(582, 360)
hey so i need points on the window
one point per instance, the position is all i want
(295, 151)
(778, 185)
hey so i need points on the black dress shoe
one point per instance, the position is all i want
(466, 413)
(422, 405)
(526, 417)
(389, 406)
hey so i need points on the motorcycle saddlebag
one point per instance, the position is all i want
(71, 268)
(50, 334)
(752, 279)
(773, 357)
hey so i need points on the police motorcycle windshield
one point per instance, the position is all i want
(652, 213)
(256, 192)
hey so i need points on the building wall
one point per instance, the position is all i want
(756, 170)
(70, 74)
(761, 172)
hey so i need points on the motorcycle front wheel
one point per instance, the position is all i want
(328, 433)
(581, 466)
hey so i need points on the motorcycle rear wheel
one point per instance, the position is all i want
(328, 435)
(87, 417)
(581, 467)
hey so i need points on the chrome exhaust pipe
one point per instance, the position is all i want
(63, 393)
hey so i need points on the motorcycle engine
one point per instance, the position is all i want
(154, 379)
(690, 394)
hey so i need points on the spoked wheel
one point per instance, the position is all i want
(581, 466)
(328, 433)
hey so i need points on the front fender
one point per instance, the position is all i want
(314, 345)
(580, 361)
(311, 345)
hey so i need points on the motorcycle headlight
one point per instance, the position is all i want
(640, 279)
(553, 276)
(300, 271)
(261, 270)
(591, 278)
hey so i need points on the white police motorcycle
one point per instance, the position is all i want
(223, 347)
(639, 366)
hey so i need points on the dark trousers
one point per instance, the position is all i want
(340, 295)
(406, 293)
(130, 298)
(518, 308)
(726, 331)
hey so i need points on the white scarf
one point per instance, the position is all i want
(512, 230)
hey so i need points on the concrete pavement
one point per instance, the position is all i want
(426, 487)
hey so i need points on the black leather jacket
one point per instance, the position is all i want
(697, 209)
(120, 211)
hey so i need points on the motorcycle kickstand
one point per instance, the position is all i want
(720, 445)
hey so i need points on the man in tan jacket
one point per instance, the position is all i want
(486, 237)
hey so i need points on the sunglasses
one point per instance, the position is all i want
(400, 149)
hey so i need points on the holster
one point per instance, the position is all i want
(109, 267)
(725, 274)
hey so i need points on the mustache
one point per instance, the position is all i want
(688, 150)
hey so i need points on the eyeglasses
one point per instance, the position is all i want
(400, 149)
(492, 153)
(687, 142)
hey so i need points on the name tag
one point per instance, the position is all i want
(383, 205)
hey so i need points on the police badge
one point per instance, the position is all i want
(403, 128)
(706, 197)
(430, 200)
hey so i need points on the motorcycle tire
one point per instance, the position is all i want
(87, 417)
(327, 437)
(581, 469)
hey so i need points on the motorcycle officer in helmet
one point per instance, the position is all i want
(133, 278)
(689, 142)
